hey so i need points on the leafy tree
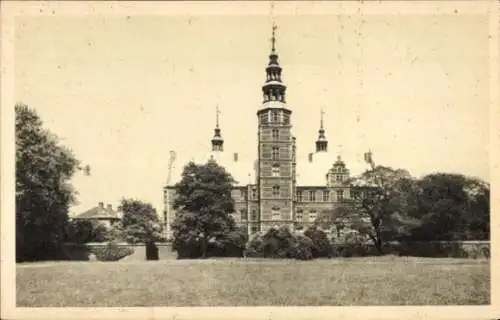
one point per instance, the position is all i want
(382, 200)
(43, 190)
(204, 205)
(140, 222)
(322, 247)
(452, 207)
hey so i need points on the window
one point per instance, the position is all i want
(264, 118)
(276, 153)
(286, 118)
(254, 193)
(339, 177)
(340, 194)
(253, 217)
(298, 215)
(276, 213)
(326, 195)
(243, 213)
(254, 228)
(299, 196)
(276, 191)
(276, 134)
(275, 170)
(274, 116)
(312, 215)
(243, 195)
(312, 195)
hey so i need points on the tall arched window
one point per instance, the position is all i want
(276, 153)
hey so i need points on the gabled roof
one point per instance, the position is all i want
(99, 212)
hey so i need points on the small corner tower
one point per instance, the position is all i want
(322, 142)
(217, 141)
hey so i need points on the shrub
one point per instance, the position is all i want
(353, 245)
(322, 247)
(111, 252)
(304, 248)
(280, 244)
(457, 249)
(231, 244)
(187, 247)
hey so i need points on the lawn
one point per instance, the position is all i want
(239, 282)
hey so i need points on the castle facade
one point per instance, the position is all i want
(276, 195)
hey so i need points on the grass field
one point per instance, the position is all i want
(239, 282)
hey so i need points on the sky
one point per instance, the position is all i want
(122, 91)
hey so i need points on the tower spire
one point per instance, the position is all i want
(217, 112)
(274, 89)
(321, 123)
(322, 142)
(217, 141)
(273, 38)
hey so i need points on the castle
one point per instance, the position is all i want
(275, 196)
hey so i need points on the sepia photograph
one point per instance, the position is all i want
(248, 154)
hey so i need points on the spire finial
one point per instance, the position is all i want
(273, 39)
(217, 112)
(322, 115)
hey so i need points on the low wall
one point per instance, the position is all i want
(436, 249)
(86, 252)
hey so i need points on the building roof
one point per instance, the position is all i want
(313, 173)
(99, 212)
(242, 168)
(241, 165)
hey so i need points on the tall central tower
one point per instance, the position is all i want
(276, 149)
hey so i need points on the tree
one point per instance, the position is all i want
(452, 207)
(382, 200)
(140, 222)
(204, 205)
(43, 190)
(322, 247)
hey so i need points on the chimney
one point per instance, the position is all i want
(101, 205)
